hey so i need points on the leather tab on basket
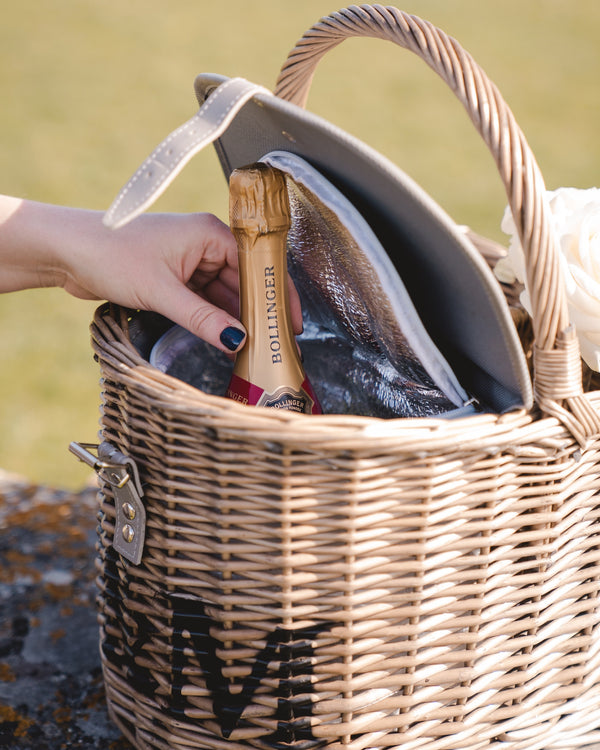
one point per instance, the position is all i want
(130, 525)
(559, 390)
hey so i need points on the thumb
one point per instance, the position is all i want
(203, 319)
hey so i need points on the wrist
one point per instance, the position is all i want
(27, 249)
(39, 242)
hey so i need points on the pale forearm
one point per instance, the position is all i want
(34, 238)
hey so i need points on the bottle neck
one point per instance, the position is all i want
(270, 351)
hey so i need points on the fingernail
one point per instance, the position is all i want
(232, 337)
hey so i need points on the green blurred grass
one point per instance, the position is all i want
(89, 88)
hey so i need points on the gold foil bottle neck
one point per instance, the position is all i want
(268, 370)
(258, 200)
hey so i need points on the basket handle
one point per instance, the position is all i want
(558, 386)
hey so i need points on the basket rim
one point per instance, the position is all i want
(519, 431)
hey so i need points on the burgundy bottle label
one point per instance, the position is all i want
(290, 399)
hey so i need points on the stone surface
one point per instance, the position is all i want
(51, 689)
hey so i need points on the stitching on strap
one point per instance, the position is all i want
(198, 129)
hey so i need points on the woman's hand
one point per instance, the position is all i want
(183, 266)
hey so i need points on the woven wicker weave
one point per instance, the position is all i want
(354, 582)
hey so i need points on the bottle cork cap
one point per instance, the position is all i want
(258, 199)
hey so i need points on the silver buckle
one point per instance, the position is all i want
(121, 473)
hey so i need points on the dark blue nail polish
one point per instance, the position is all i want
(231, 338)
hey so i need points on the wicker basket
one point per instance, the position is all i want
(353, 582)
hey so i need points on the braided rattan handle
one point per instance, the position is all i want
(558, 366)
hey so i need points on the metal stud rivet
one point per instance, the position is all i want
(129, 511)
(128, 533)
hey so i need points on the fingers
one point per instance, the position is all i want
(203, 319)
(223, 296)
(221, 252)
(295, 308)
(226, 296)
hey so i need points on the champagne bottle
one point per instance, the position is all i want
(268, 370)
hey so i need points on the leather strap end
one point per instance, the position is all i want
(168, 159)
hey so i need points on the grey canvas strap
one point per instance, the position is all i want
(169, 158)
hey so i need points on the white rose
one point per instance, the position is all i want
(576, 215)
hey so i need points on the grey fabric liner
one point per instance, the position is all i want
(454, 292)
